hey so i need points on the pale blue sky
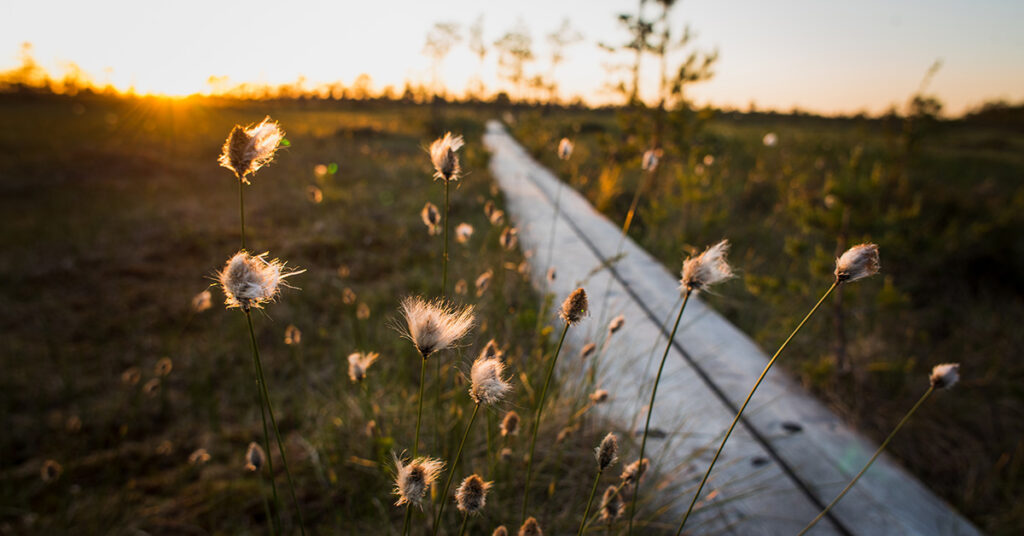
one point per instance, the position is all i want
(820, 55)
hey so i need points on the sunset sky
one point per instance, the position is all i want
(820, 56)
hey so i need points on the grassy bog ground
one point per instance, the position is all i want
(117, 215)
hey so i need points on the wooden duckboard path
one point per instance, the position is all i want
(789, 456)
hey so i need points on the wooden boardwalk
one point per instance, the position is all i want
(790, 455)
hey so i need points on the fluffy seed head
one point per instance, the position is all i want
(202, 301)
(471, 496)
(607, 452)
(588, 350)
(358, 363)
(198, 457)
(483, 282)
(650, 160)
(486, 384)
(616, 324)
(611, 505)
(706, 269)
(163, 367)
(497, 217)
(509, 238)
(250, 281)
(634, 472)
(248, 149)
(574, 308)
(500, 531)
(255, 457)
(463, 232)
(599, 396)
(436, 325)
(431, 218)
(50, 471)
(530, 528)
(442, 154)
(565, 148)
(945, 375)
(510, 424)
(413, 480)
(858, 262)
(292, 335)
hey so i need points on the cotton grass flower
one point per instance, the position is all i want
(611, 505)
(510, 424)
(509, 238)
(551, 275)
(588, 350)
(463, 232)
(412, 481)
(634, 472)
(471, 495)
(530, 528)
(616, 324)
(650, 160)
(491, 350)
(858, 262)
(198, 457)
(358, 363)
(292, 335)
(706, 269)
(500, 531)
(363, 311)
(435, 325)
(945, 376)
(442, 155)
(483, 282)
(497, 217)
(575, 307)
(131, 376)
(250, 281)
(565, 148)
(607, 452)
(461, 287)
(599, 396)
(248, 149)
(255, 457)
(163, 367)
(50, 471)
(202, 301)
(487, 386)
(431, 218)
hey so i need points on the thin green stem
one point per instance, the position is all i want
(408, 518)
(444, 262)
(241, 207)
(263, 416)
(465, 521)
(747, 401)
(266, 505)
(437, 405)
(590, 501)
(878, 452)
(273, 422)
(451, 470)
(536, 420)
(419, 412)
(650, 407)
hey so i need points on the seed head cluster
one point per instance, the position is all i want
(251, 281)
(412, 481)
(250, 148)
(575, 307)
(471, 496)
(442, 155)
(858, 262)
(436, 325)
(358, 363)
(487, 387)
(706, 269)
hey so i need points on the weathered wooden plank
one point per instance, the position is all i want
(770, 479)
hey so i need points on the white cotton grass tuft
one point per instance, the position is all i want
(442, 155)
(509, 238)
(412, 481)
(616, 324)
(650, 160)
(634, 472)
(945, 375)
(565, 148)
(588, 350)
(575, 307)
(487, 386)
(255, 457)
(358, 363)
(431, 218)
(202, 301)
(463, 232)
(249, 281)
(706, 269)
(471, 496)
(483, 282)
(611, 505)
(434, 325)
(858, 262)
(607, 452)
(248, 149)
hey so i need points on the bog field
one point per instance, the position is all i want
(325, 398)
